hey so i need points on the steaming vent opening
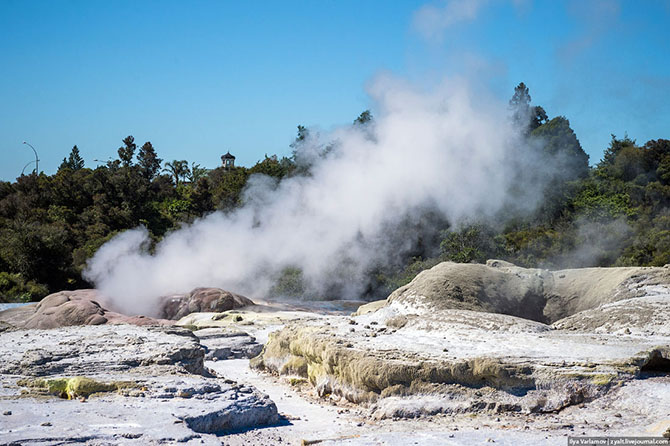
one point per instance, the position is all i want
(657, 364)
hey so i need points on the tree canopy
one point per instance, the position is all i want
(74, 161)
(612, 214)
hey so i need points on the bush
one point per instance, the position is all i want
(473, 243)
(13, 288)
(289, 283)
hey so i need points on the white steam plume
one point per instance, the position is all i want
(444, 150)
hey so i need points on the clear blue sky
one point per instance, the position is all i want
(199, 78)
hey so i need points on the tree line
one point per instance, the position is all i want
(616, 213)
(612, 214)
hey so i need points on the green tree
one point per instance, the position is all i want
(657, 154)
(178, 169)
(38, 251)
(226, 186)
(148, 161)
(630, 162)
(273, 167)
(538, 117)
(201, 197)
(471, 243)
(614, 148)
(303, 134)
(196, 172)
(521, 97)
(13, 288)
(520, 105)
(127, 151)
(364, 118)
(525, 116)
(288, 283)
(559, 141)
(74, 161)
(663, 171)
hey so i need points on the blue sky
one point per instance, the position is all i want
(200, 78)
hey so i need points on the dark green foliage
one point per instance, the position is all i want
(364, 118)
(521, 97)
(148, 161)
(288, 283)
(537, 118)
(226, 186)
(559, 141)
(41, 252)
(196, 172)
(74, 161)
(127, 151)
(13, 288)
(613, 150)
(471, 243)
(272, 167)
(526, 117)
(201, 198)
(303, 133)
(82, 253)
(520, 105)
(178, 169)
(51, 225)
(615, 214)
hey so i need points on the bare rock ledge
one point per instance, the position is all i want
(490, 337)
(118, 384)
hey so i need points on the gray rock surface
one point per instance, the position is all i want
(160, 409)
(641, 316)
(535, 294)
(123, 384)
(99, 349)
(443, 335)
(224, 343)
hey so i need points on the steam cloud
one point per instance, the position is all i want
(445, 151)
(432, 19)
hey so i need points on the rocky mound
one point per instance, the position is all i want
(202, 300)
(536, 294)
(453, 334)
(68, 308)
(87, 307)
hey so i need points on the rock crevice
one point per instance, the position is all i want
(458, 329)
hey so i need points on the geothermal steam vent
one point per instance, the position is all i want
(537, 340)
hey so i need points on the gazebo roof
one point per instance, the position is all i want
(227, 156)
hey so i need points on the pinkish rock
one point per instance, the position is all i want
(68, 308)
(202, 300)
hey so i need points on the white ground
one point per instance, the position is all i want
(640, 408)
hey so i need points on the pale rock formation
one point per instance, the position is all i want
(141, 385)
(476, 338)
(222, 343)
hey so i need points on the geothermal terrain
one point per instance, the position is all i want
(464, 354)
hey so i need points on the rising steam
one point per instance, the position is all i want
(445, 151)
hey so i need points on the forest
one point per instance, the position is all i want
(612, 213)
